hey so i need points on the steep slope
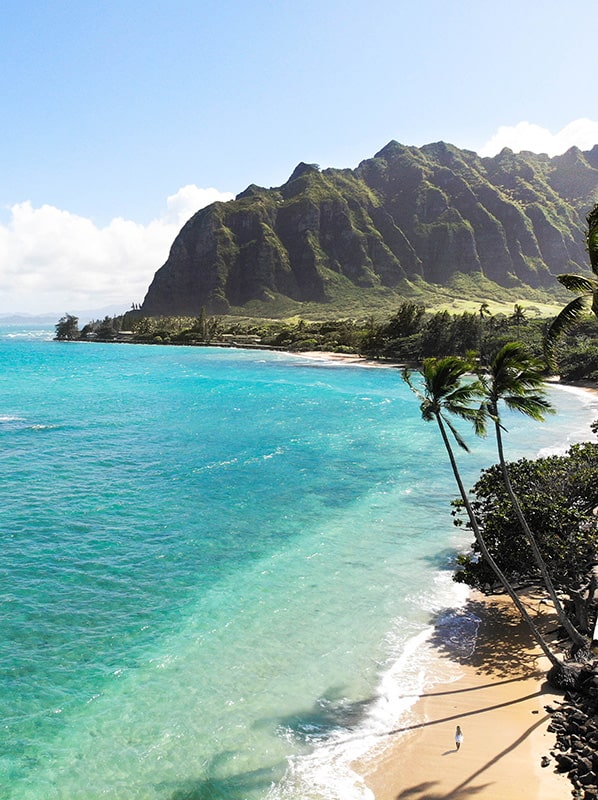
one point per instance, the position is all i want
(406, 213)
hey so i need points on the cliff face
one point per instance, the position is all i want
(429, 212)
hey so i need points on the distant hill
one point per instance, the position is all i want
(51, 317)
(404, 219)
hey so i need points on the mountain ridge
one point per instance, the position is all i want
(407, 214)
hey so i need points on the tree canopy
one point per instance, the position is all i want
(67, 327)
(558, 495)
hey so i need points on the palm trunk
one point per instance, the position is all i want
(577, 639)
(489, 559)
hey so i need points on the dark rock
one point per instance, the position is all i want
(587, 779)
(584, 766)
(565, 763)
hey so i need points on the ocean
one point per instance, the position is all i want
(220, 568)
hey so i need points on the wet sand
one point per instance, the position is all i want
(499, 703)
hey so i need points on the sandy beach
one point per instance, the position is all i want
(499, 702)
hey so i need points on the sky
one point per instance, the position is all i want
(119, 119)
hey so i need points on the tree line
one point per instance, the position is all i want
(408, 336)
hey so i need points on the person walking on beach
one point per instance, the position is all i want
(458, 736)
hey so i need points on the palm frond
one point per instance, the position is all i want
(468, 413)
(406, 375)
(592, 239)
(448, 388)
(464, 394)
(443, 375)
(428, 409)
(533, 406)
(578, 283)
(458, 438)
(481, 420)
(565, 320)
(513, 372)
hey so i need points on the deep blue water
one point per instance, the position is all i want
(218, 567)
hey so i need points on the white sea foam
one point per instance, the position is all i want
(414, 666)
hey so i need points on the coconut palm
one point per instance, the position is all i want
(515, 379)
(484, 311)
(586, 285)
(444, 393)
(518, 316)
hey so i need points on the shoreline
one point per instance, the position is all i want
(499, 700)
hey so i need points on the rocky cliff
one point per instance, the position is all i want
(408, 213)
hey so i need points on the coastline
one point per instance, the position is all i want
(499, 701)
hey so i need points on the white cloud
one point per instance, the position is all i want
(53, 260)
(582, 133)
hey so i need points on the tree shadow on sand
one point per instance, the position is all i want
(467, 787)
(426, 790)
(497, 642)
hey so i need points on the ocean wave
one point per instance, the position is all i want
(331, 771)
(27, 335)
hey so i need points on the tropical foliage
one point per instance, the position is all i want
(444, 392)
(515, 380)
(558, 495)
(586, 286)
(67, 328)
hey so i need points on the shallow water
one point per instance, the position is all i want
(219, 567)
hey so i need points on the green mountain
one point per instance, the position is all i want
(407, 218)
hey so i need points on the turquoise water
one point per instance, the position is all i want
(219, 567)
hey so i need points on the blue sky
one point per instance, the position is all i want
(120, 119)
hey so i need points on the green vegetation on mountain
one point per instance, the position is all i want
(408, 224)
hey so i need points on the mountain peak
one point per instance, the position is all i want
(303, 169)
(408, 214)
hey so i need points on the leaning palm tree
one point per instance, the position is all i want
(445, 392)
(516, 379)
(586, 285)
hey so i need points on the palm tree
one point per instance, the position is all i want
(445, 392)
(587, 285)
(515, 379)
(484, 311)
(518, 316)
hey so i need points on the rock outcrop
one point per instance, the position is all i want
(575, 723)
(408, 213)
